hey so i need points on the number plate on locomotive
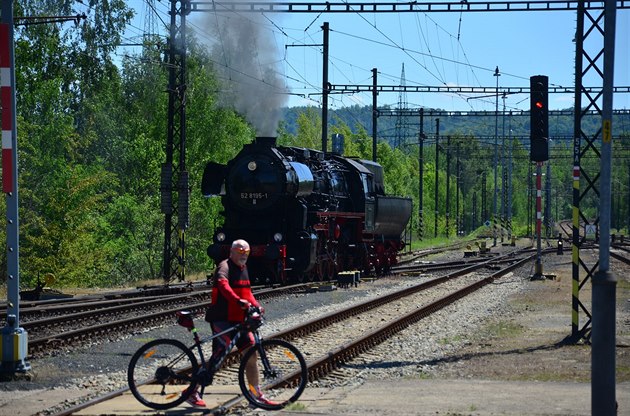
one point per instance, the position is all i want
(254, 196)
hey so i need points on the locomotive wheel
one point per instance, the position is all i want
(279, 276)
(330, 269)
(319, 276)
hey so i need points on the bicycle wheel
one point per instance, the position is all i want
(159, 373)
(282, 375)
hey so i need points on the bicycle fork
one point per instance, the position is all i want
(262, 355)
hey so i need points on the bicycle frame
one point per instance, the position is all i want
(200, 341)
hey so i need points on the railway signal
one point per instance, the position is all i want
(539, 118)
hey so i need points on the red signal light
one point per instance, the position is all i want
(539, 118)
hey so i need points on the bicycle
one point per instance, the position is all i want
(163, 373)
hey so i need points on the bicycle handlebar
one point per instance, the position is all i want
(253, 318)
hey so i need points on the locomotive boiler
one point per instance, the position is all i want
(307, 215)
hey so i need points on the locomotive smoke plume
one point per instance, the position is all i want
(247, 60)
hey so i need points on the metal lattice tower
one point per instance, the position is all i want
(588, 64)
(151, 48)
(174, 189)
(150, 26)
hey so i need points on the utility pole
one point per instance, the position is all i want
(503, 172)
(603, 401)
(509, 214)
(421, 175)
(448, 184)
(374, 112)
(325, 89)
(458, 170)
(496, 158)
(484, 198)
(437, 172)
(474, 211)
(401, 119)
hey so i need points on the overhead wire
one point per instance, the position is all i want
(394, 43)
(439, 61)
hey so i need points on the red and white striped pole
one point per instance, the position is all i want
(538, 269)
(14, 339)
(6, 101)
(538, 198)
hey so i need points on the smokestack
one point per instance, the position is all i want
(267, 141)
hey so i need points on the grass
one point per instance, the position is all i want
(504, 329)
(451, 340)
(622, 371)
(430, 243)
(296, 407)
(623, 284)
(421, 375)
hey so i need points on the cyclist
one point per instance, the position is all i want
(231, 297)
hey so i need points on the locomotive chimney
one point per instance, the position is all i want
(338, 144)
(267, 141)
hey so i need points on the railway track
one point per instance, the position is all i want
(52, 325)
(418, 254)
(69, 325)
(355, 330)
(66, 325)
(56, 325)
(619, 249)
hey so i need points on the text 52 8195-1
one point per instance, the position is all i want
(254, 195)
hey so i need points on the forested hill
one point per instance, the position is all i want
(391, 128)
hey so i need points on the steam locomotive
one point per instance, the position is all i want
(306, 214)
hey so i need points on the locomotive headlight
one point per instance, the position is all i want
(220, 237)
(277, 237)
(252, 166)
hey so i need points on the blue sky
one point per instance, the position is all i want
(437, 49)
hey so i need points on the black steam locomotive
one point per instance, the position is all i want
(307, 215)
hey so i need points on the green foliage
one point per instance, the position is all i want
(309, 131)
(61, 223)
(132, 233)
(92, 140)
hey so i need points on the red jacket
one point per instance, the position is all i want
(231, 284)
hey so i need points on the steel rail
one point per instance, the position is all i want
(619, 257)
(334, 317)
(44, 343)
(334, 359)
(39, 345)
(32, 326)
(324, 365)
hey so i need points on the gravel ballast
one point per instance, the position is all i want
(492, 335)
